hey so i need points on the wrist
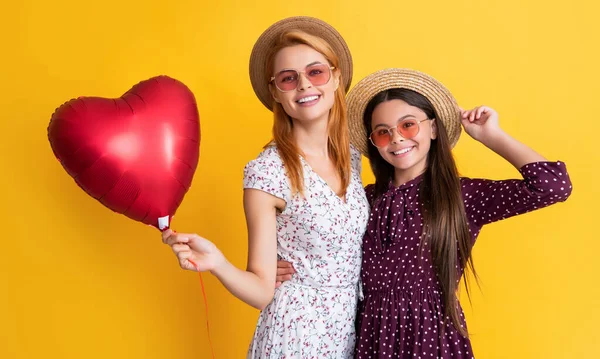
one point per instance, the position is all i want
(221, 267)
(494, 139)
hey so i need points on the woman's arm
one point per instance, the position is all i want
(256, 284)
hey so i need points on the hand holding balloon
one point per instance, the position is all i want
(194, 252)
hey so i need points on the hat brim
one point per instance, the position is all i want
(310, 25)
(444, 104)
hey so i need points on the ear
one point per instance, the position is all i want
(434, 129)
(274, 93)
(336, 78)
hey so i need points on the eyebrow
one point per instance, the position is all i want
(400, 119)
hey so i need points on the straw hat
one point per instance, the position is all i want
(258, 58)
(443, 102)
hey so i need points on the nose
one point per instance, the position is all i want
(396, 136)
(303, 82)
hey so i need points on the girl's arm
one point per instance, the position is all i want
(544, 182)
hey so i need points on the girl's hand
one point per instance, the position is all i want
(284, 272)
(481, 123)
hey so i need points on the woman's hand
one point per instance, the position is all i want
(194, 252)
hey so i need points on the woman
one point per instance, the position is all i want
(304, 200)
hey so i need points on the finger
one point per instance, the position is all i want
(467, 114)
(472, 115)
(184, 254)
(186, 264)
(486, 111)
(464, 113)
(277, 284)
(287, 271)
(180, 247)
(283, 278)
(178, 238)
(189, 266)
(465, 122)
(479, 112)
(166, 234)
(284, 271)
(284, 264)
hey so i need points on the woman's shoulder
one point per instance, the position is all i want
(269, 156)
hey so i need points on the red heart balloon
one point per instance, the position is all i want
(136, 154)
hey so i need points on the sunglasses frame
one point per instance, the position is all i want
(391, 135)
(331, 68)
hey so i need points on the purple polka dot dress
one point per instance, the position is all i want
(401, 313)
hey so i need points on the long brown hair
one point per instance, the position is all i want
(445, 220)
(338, 142)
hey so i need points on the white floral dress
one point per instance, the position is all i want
(312, 315)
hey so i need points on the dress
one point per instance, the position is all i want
(313, 314)
(401, 314)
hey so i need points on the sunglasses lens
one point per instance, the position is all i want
(380, 138)
(287, 80)
(318, 74)
(408, 128)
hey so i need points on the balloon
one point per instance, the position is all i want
(135, 154)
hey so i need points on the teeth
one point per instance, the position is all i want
(403, 151)
(309, 98)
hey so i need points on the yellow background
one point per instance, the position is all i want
(79, 281)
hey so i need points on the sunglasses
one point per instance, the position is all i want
(288, 80)
(408, 128)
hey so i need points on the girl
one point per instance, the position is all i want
(304, 200)
(424, 217)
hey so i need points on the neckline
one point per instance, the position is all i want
(344, 200)
(413, 182)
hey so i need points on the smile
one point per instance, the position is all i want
(308, 99)
(403, 151)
